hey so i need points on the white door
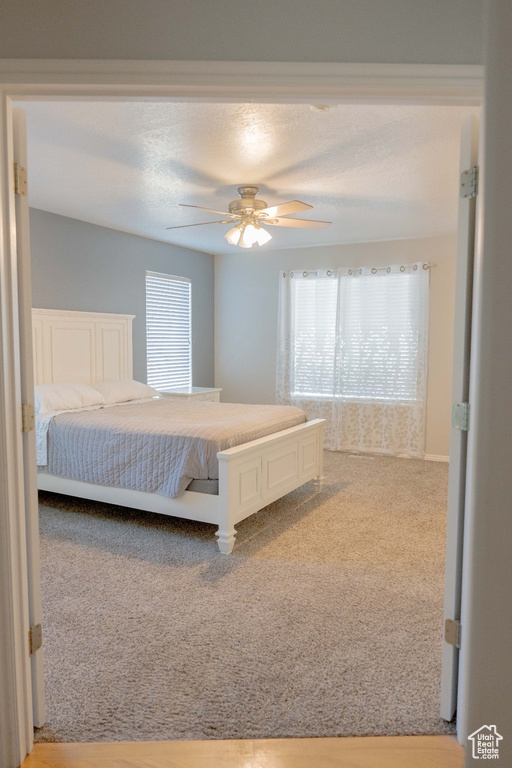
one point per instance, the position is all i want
(460, 395)
(27, 395)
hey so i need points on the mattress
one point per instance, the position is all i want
(204, 486)
(159, 446)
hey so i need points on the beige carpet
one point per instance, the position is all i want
(326, 620)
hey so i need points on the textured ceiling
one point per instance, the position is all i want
(376, 172)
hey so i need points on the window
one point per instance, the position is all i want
(380, 334)
(168, 331)
(352, 350)
(313, 308)
(356, 337)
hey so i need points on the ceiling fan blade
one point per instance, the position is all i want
(213, 210)
(201, 224)
(300, 223)
(294, 206)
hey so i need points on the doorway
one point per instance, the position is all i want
(7, 105)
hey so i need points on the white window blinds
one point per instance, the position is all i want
(313, 309)
(168, 331)
(356, 336)
(381, 317)
(352, 349)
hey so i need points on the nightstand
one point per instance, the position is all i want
(211, 394)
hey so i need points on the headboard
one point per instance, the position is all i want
(81, 346)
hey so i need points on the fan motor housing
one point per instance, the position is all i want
(248, 203)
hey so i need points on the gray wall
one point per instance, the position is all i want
(246, 298)
(391, 31)
(76, 265)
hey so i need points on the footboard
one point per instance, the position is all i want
(255, 474)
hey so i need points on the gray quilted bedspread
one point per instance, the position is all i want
(157, 446)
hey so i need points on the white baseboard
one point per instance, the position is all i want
(433, 457)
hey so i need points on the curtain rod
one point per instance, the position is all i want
(357, 270)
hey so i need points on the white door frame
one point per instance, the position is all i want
(143, 80)
(460, 394)
(27, 396)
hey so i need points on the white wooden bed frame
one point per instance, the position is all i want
(90, 347)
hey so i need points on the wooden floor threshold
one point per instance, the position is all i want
(368, 752)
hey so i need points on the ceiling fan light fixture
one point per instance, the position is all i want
(251, 234)
(251, 211)
(233, 235)
(245, 240)
(247, 235)
(263, 236)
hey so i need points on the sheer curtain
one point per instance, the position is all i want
(352, 349)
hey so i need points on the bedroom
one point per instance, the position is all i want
(235, 298)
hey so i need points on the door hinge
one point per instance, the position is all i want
(20, 180)
(469, 182)
(35, 638)
(452, 630)
(460, 416)
(27, 417)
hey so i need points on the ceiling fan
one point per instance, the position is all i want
(251, 213)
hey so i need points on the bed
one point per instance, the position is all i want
(90, 347)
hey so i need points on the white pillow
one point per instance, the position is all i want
(122, 390)
(65, 397)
